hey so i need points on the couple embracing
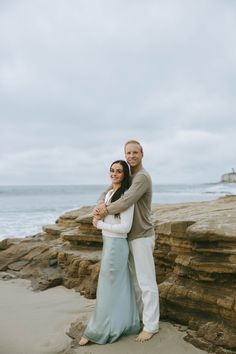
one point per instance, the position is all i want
(127, 293)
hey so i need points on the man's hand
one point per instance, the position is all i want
(96, 211)
(100, 210)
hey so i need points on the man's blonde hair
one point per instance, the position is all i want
(134, 142)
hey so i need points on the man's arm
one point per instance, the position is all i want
(101, 198)
(131, 196)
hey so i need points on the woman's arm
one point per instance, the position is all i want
(126, 220)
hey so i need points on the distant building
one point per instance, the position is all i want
(229, 177)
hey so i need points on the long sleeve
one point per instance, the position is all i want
(126, 220)
(131, 196)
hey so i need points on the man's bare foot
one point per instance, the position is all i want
(144, 336)
(83, 341)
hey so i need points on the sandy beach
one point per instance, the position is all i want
(37, 322)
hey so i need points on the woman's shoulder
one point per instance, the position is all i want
(108, 195)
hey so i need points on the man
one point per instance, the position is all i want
(141, 237)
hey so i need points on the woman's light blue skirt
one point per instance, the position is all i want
(116, 311)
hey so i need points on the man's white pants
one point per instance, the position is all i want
(142, 268)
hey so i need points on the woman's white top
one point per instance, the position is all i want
(116, 226)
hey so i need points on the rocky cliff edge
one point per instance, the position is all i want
(195, 257)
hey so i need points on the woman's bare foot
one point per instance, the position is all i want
(144, 336)
(83, 341)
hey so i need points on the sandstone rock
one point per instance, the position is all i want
(55, 230)
(7, 242)
(70, 218)
(76, 330)
(76, 237)
(75, 229)
(6, 276)
(195, 258)
(196, 268)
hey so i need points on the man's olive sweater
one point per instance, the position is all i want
(139, 194)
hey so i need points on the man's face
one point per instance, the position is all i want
(133, 155)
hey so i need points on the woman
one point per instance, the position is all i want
(116, 311)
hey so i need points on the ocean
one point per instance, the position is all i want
(25, 209)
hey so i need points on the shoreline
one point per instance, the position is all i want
(37, 322)
(26, 210)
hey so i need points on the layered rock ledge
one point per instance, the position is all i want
(196, 269)
(195, 257)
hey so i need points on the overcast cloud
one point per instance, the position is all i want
(79, 78)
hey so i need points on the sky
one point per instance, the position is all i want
(79, 78)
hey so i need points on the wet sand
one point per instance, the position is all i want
(37, 322)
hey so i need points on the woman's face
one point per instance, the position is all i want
(116, 173)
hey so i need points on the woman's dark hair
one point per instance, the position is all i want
(125, 184)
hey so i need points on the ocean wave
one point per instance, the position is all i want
(222, 188)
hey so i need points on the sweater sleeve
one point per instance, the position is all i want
(131, 196)
(126, 220)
